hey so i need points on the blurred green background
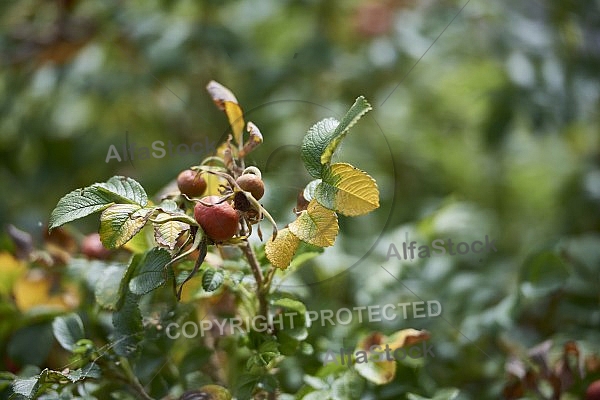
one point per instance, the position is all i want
(495, 131)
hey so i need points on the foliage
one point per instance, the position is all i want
(493, 130)
(177, 236)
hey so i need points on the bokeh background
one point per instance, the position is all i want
(495, 131)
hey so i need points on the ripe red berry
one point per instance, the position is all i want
(191, 183)
(253, 184)
(93, 248)
(219, 222)
(593, 391)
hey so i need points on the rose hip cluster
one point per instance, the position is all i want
(219, 216)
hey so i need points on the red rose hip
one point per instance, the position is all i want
(93, 248)
(253, 184)
(191, 183)
(593, 391)
(219, 222)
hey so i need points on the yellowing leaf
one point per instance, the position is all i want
(220, 94)
(316, 225)
(140, 242)
(166, 234)
(378, 369)
(407, 337)
(378, 372)
(236, 120)
(33, 290)
(347, 190)
(10, 270)
(120, 222)
(281, 250)
(254, 140)
(226, 101)
(212, 184)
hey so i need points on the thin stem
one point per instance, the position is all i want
(133, 380)
(258, 276)
(269, 279)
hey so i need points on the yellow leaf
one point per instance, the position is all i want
(10, 270)
(167, 234)
(226, 101)
(236, 120)
(281, 250)
(316, 225)
(384, 371)
(407, 337)
(33, 290)
(378, 372)
(213, 182)
(347, 190)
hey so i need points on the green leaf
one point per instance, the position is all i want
(315, 142)
(323, 138)
(245, 386)
(127, 320)
(26, 387)
(151, 273)
(358, 109)
(107, 289)
(97, 197)
(543, 273)
(6, 380)
(318, 395)
(91, 370)
(120, 222)
(127, 276)
(200, 243)
(212, 280)
(309, 190)
(347, 386)
(168, 205)
(78, 204)
(347, 190)
(124, 190)
(443, 394)
(293, 329)
(68, 330)
(31, 386)
(128, 325)
(31, 344)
